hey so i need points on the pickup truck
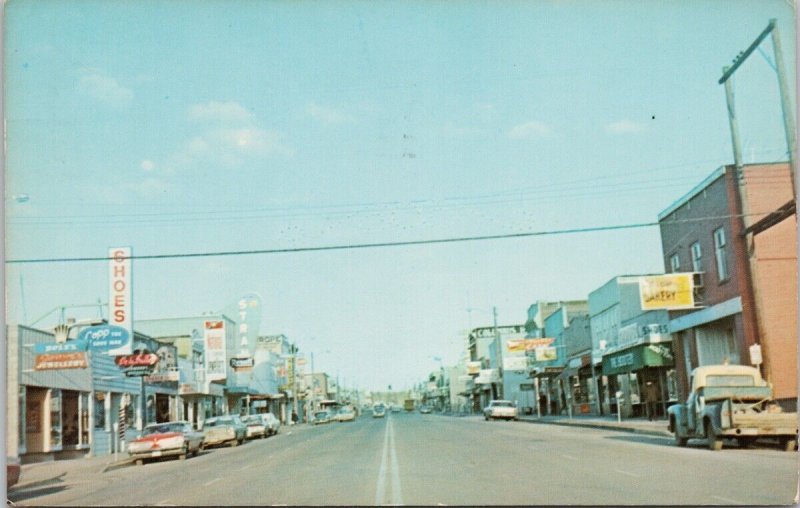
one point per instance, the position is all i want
(731, 401)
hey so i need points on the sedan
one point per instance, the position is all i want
(425, 410)
(272, 424)
(345, 415)
(500, 409)
(224, 429)
(322, 417)
(255, 426)
(166, 440)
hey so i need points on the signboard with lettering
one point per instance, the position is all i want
(56, 361)
(515, 363)
(671, 291)
(120, 299)
(105, 337)
(214, 337)
(546, 354)
(141, 364)
(473, 368)
(520, 345)
(72, 346)
(242, 364)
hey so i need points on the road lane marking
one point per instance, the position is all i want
(380, 490)
(212, 481)
(397, 495)
(726, 500)
(628, 473)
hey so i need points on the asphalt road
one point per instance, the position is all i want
(434, 460)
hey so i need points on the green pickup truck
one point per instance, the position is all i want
(731, 401)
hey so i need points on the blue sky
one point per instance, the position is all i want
(189, 127)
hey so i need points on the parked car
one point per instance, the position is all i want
(345, 415)
(500, 409)
(425, 410)
(224, 430)
(272, 424)
(379, 411)
(321, 417)
(12, 471)
(255, 427)
(169, 439)
(731, 401)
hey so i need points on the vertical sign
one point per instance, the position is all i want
(120, 303)
(214, 338)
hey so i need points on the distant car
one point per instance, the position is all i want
(378, 411)
(500, 409)
(425, 410)
(345, 415)
(224, 430)
(272, 424)
(166, 440)
(12, 471)
(255, 427)
(321, 417)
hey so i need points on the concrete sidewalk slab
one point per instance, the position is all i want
(636, 426)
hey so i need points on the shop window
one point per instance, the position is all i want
(55, 419)
(84, 422)
(675, 263)
(99, 410)
(22, 412)
(721, 252)
(634, 384)
(672, 385)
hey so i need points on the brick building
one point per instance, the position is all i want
(740, 233)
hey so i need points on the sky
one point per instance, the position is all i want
(179, 127)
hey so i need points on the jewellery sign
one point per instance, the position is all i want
(64, 355)
(214, 337)
(120, 302)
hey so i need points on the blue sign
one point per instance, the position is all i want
(71, 346)
(105, 337)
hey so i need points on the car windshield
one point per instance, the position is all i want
(217, 422)
(162, 428)
(321, 414)
(502, 403)
(730, 380)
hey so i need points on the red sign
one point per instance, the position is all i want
(61, 361)
(140, 360)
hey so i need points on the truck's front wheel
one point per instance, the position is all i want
(714, 441)
(788, 444)
(680, 440)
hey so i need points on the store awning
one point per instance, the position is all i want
(545, 372)
(638, 357)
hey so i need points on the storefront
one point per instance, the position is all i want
(629, 369)
(578, 382)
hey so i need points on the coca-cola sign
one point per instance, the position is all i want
(137, 360)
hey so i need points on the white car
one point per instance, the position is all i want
(500, 409)
(255, 426)
(345, 415)
(272, 424)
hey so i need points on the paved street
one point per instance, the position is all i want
(430, 459)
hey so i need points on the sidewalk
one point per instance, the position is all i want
(634, 425)
(61, 471)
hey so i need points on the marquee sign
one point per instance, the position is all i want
(57, 361)
(120, 298)
(105, 337)
(141, 364)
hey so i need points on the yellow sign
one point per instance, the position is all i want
(672, 291)
(522, 345)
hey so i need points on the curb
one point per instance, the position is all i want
(38, 483)
(116, 465)
(616, 428)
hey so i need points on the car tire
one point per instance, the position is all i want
(714, 441)
(235, 442)
(139, 462)
(789, 444)
(744, 442)
(680, 440)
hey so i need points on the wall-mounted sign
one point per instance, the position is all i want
(105, 337)
(546, 354)
(120, 296)
(755, 354)
(141, 364)
(214, 337)
(515, 363)
(56, 361)
(488, 376)
(163, 377)
(520, 345)
(672, 291)
(242, 364)
(72, 346)
(473, 368)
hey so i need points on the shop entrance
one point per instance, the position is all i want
(162, 408)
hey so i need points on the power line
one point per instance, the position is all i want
(377, 244)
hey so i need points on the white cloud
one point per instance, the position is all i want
(148, 165)
(226, 112)
(327, 115)
(624, 127)
(530, 130)
(231, 147)
(104, 88)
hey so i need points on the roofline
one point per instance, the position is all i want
(717, 173)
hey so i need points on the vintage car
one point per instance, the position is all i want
(322, 417)
(255, 427)
(425, 410)
(378, 411)
(345, 414)
(731, 401)
(224, 430)
(169, 439)
(505, 409)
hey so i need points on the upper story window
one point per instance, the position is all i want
(697, 257)
(721, 252)
(675, 263)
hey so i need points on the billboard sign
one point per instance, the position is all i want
(473, 368)
(515, 363)
(546, 354)
(523, 345)
(488, 376)
(671, 292)
(120, 299)
(57, 361)
(214, 339)
(106, 338)
(242, 364)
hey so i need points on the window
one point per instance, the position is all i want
(720, 247)
(675, 263)
(697, 257)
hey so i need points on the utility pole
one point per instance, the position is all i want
(786, 106)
